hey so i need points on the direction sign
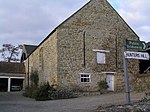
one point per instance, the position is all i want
(135, 45)
(136, 55)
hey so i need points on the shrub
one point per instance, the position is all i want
(62, 93)
(34, 78)
(30, 92)
(102, 86)
(47, 92)
(43, 92)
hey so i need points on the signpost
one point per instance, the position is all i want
(132, 45)
(135, 45)
(125, 61)
(136, 55)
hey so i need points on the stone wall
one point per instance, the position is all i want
(44, 60)
(68, 52)
(141, 83)
(97, 26)
(49, 71)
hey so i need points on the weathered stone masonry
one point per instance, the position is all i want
(68, 50)
(47, 69)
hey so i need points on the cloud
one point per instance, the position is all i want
(144, 32)
(136, 14)
(30, 21)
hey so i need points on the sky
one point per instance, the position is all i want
(30, 21)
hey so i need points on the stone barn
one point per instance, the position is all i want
(85, 49)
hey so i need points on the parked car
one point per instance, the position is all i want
(15, 88)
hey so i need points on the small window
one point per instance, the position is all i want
(101, 58)
(85, 78)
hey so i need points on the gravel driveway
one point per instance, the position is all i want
(15, 102)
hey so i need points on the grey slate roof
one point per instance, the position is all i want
(29, 49)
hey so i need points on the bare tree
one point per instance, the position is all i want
(10, 52)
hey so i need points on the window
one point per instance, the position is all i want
(101, 58)
(85, 78)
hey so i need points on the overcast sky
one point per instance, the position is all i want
(30, 21)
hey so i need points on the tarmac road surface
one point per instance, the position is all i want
(15, 102)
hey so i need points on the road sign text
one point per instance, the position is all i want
(136, 55)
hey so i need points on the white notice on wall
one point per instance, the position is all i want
(136, 55)
(101, 58)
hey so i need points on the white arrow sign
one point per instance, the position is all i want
(144, 45)
(136, 55)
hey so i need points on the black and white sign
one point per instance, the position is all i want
(136, 55)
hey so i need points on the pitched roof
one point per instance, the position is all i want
(26, 51)
(76, 13)
(59, 26)
(9, 67)
(29, 49)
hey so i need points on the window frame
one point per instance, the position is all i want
(102, 57)
(88, 77)
(101, 51)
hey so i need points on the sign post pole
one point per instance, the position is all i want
(125, 61)
(132, 45)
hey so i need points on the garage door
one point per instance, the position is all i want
(3, 84)
(16, 84)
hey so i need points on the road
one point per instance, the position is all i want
(15, 102)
